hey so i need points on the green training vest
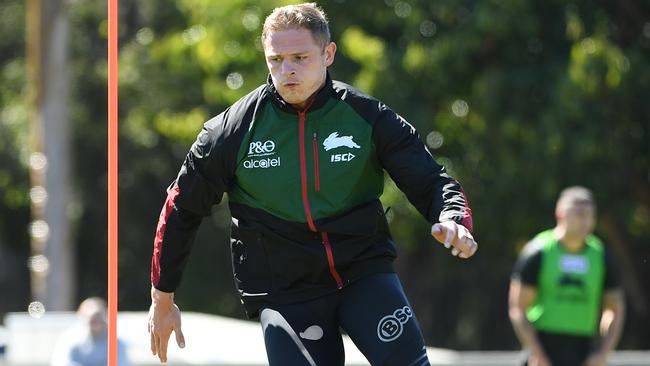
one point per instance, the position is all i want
(569, 289)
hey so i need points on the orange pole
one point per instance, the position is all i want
(112, 182)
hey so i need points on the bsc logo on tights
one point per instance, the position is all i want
(391, 326)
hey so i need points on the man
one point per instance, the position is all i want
(302, 160)
(86, 344)
(564, 286)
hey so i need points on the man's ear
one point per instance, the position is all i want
(330, 51)
(560, 213)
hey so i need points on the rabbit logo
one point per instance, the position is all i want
(334, 140)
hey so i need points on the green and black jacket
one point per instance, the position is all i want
(303, 189)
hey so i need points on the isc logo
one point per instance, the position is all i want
(342, 157)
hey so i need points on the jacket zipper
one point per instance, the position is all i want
(305, 198)
(330, 260)
(303, 171)
(316, 168)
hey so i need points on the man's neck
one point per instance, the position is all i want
(572, 243)
(305, 105)
(308, 102)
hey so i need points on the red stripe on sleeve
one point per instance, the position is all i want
(467, 221)
(172, 193)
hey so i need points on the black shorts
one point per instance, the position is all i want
(565, 350)
(373, 311)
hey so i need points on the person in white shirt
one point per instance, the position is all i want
(86, 344)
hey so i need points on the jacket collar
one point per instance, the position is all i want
(322, 95)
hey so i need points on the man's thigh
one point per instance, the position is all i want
(379, 319)
(302, 334)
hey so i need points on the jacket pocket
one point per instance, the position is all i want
(297, 264)
(250, 262)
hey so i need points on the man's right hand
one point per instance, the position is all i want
(164, 317)
(455, 236)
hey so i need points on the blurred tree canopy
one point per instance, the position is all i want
(517, 99)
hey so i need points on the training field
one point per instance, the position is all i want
(214, 341)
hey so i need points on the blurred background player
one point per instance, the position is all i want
(565, 288)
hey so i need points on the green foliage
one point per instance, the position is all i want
(368, 52)
(597, 65)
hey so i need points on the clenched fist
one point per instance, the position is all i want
(456, 237)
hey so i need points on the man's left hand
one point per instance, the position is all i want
(456, 237)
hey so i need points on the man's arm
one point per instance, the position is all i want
(433, 192)
(202, 180)
(611, 326)
(207, 173)
(436, 195)
(519, 299)
(612, 320)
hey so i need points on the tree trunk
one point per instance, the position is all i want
(53, 283)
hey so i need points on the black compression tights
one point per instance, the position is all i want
(373, 311)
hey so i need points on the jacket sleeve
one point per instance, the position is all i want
(435, 194)
(203, 178)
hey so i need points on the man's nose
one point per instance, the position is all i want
(287, 68)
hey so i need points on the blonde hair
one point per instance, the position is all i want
(306, 16)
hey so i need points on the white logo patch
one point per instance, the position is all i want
(273, 319)
(312, 333)
(334, 140)
(259, 148)
(342, 157)
(574, 264)
(262, 163)
(263, 150)
(391, 326)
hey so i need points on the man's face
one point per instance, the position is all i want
(579, 219)
(97, 325)
(298, 65)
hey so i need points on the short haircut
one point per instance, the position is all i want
(306, 16)
(573, 196)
